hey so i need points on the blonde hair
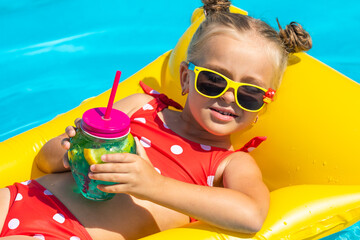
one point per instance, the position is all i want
(219, 21)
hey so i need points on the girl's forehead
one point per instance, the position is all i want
(232, 41)
(239, 59)
(230, 48)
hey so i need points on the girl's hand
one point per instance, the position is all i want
(133, 173)
(70, 131)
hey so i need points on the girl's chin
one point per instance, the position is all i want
(220, 129)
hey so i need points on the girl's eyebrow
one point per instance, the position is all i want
(228, 74)
(253, 81)
(221, 70)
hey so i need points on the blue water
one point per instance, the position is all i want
(54, 54)
(351, 233)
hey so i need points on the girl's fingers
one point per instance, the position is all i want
(116, 188)
(110, 177)
(66, 160)
(70, 131)
(111, 168)
(65, 143)
(118, 157)
(77, 122)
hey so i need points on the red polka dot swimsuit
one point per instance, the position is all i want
(172, 155)
(35, 212)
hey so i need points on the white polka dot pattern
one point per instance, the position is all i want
(26, 182)
(176, 149)
(145, 142)
(205, 147)
(59, 218)
(18, 197)
(154, 92)
(13, 223)
(210, 180)
(143, 120)
(250, 149)
(39, 236)
(158, 170)
(74, 238)
(166, 126)
(148, 107)
(48, 193)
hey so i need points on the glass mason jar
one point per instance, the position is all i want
(93, 139)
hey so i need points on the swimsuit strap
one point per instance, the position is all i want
(252, 144)
(162, 97)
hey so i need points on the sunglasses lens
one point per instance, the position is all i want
(210, 84)
(213, 85)
(250, 98)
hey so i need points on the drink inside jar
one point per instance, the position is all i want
(85, 151)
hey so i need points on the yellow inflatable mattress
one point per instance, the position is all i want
(310, 161)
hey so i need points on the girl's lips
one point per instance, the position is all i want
(225, 112)
(222, 115)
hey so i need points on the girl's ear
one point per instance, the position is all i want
(184, 77)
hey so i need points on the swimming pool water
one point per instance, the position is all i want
(54, 54)
(351, 233)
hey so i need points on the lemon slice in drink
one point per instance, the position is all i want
(72, 153)
(93, 155)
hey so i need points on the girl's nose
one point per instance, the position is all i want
(228, 96)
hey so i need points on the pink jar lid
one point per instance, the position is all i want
(117, 126)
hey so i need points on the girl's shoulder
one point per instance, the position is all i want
(132, 103)
(237, 165)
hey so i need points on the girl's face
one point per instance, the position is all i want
(241, 59)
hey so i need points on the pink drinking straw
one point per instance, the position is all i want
(112, 95)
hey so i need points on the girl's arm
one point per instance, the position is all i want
(241, 206)
(52, 157)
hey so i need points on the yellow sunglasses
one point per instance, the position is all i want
(212, 84)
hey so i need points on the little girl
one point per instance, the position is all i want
(186, 164)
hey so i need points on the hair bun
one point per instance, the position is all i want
(295, 38)
(214, 6)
